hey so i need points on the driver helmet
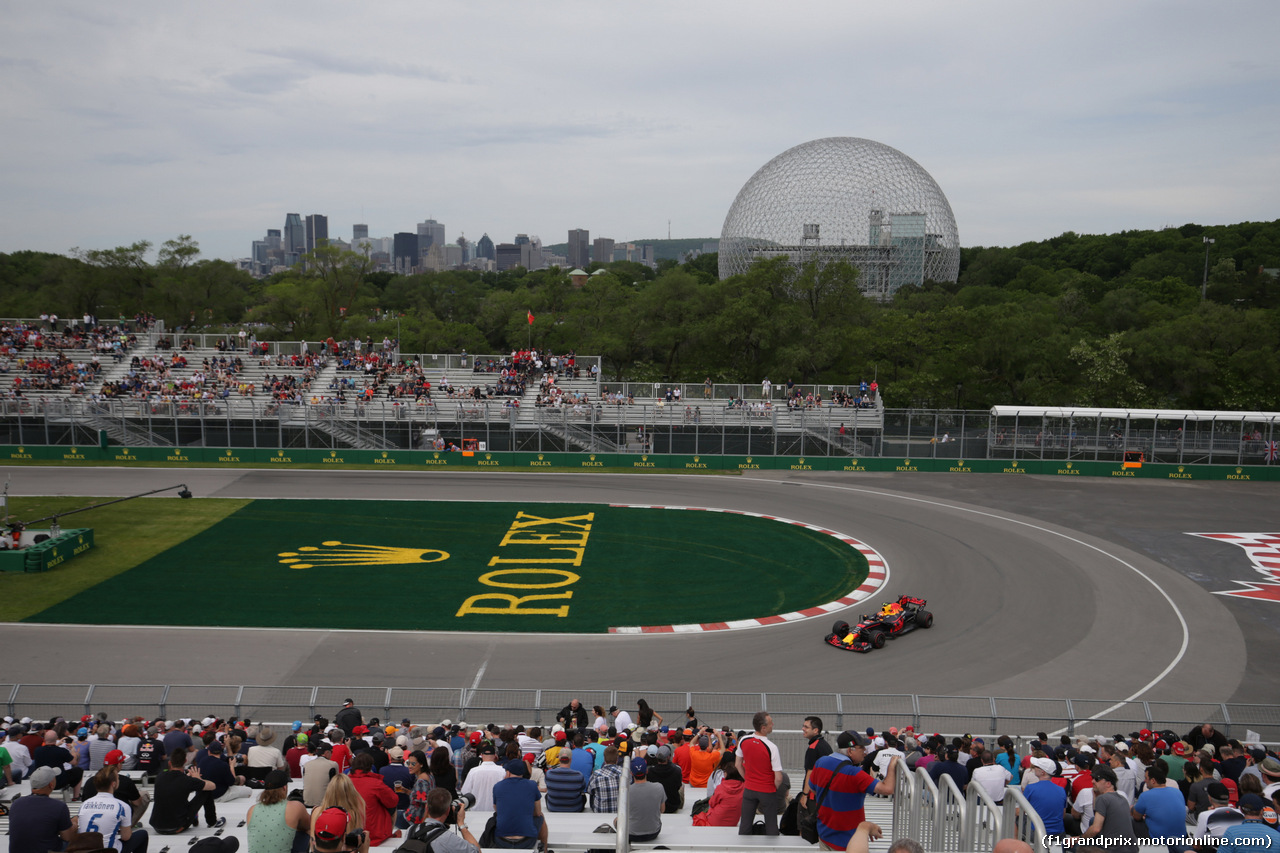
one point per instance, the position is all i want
(893, 608)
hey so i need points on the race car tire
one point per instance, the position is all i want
(924, 619)
(877, 639)
(840, 628)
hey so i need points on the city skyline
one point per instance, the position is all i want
(148, 121)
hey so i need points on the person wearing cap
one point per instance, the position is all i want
(39, 823)
(317, 773)
(14, 757)
(1220, 814)
(104, 812)
(846, 785)
(1161, 805)
(1269, 767)
(178, 738)
(275, 822)
(517, 810)
(704, 756)
(126, 789)
(621, 719)
(682, 751)
(336, 829)
(760, 765)
(220, 769)
(1047, 797)
(482, 778)
(348, 717)
(645, 804)
(1080, 795)
(664, 772)
(1252, 831)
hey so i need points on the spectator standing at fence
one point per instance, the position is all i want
(573, 715)
(847, 785)
(760, 765)
(348, 717)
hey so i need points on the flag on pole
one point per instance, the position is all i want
(530, 313)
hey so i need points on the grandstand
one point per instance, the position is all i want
(929, 807)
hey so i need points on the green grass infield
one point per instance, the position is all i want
(419, 565)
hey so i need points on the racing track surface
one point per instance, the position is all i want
(1041, 587)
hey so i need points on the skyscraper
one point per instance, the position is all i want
(484, 248)
(430, 233)
(602, 250)
(579, 247)
(359, 231)
(406, 251)
(317, 231)
(295, 239)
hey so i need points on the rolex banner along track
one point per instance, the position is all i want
(455, 566)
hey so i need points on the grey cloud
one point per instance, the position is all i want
(363, 67)
(131, 158)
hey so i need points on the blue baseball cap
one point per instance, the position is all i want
(639, 767)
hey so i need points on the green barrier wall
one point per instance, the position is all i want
(46, 555)
(425, 460)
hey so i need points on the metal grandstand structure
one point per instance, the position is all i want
(850, 199)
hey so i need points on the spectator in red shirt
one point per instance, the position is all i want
(681, 756)
(294, 755)
(760, 765)
(379, 800)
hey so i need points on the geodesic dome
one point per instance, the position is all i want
(847, 198)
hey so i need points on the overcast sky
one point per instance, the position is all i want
(146, 119)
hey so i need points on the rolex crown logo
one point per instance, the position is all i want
(334, 553)
(384, 454)
(960, 463)
(539, 456)
(801, 460)
(593, 457)
(1181, 469)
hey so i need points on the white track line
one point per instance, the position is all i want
(1186, 634)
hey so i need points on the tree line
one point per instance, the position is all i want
(1083, 320)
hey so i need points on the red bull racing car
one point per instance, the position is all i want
(892, 620)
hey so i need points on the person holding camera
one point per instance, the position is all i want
(434, 830)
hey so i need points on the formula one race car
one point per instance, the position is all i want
(892, 620)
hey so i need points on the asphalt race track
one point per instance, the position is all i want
(1041, 587)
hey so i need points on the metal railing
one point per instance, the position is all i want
(980, 716)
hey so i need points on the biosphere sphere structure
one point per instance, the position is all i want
(850, 199)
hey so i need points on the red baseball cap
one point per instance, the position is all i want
(476, 737)
(559, 736)
(1179, 748)
(115, 756)
(332, 824)
(360, 730)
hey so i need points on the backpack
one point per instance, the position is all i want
(419, 839)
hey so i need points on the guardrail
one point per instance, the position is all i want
(980, 716)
